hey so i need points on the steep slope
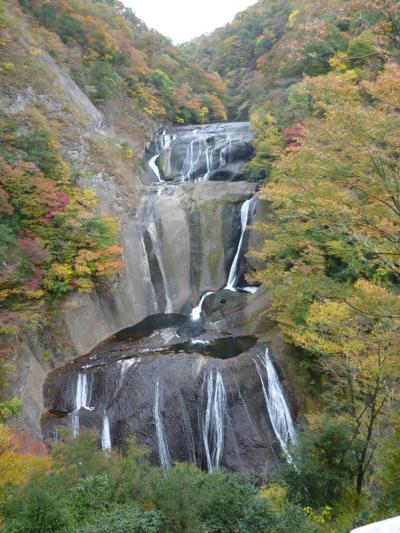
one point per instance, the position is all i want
(235, 50)
(111, 55)
(274, 43)
(83, 87)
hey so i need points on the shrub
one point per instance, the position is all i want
(124, 519)
(324, 464)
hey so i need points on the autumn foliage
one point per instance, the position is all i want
(111, 53)
(320, 81)
(52, 241)
(20, 458)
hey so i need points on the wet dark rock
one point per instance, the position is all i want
(125, 390)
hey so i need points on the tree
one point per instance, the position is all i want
(324, 464)
(20, 458)
(358, 341)
(336, 200)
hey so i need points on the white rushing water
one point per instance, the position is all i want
(224, 153)
(196, 312)
(81, 401)
(214, 419)
(210, 151)
(162, 143)
(251, 290)
(163, 450)
(192, 158)
(244, 218)
(106, 434)
(198, 150)
(278, 410)
(156, 243)
(154, 167)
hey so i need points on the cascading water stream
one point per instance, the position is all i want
(278, 410)
(224, 153)
(165, 143)
(196, 312)
(197, 425)
(106, 434)
(213, 424)
(244, 218)
(81, 401)
(210, 161)
(187, 431)
(200, 149)
(153, 166)
(163, 450)
(156, 241)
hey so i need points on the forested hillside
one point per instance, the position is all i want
(238, 51)
(109, 52)
(321, 82)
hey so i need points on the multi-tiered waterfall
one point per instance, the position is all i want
(189, 377)
(211, 152)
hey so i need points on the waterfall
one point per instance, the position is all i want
(81, 401)
(190, 160)
(244, 218)
(224, 153)
(163, 450)
(165, 142)
(209, 160)
(106, 434)
(251, 290)
(196, 312)
(279, 414)
(153, 166)
(126, 364)
(155, 241)
(199, 148)
(213, 427)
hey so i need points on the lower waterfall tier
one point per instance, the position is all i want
(181, 404)
(185, 390)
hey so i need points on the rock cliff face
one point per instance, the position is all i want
(183, 380)
(204, 410)
(179, 244)
(188, 388)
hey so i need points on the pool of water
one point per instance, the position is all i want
(184, 325)
(224, 348)
(194, 339)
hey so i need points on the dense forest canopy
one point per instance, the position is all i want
(110, 51)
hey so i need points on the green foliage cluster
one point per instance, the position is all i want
(111, 54)
(86, 490)
(51, 239)
(271, 45)
(12, 407)
(235, 50)
(324, 108)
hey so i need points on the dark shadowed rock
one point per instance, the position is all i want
(123, 385)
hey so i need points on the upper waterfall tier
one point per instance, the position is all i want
(200, 153)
